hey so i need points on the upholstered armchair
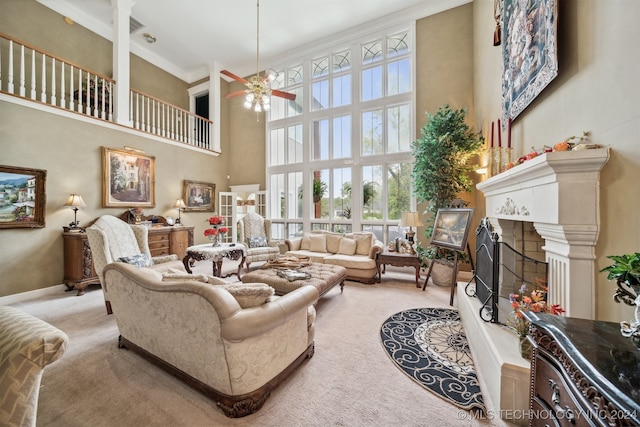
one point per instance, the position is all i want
(27, 346)
(231, 349)
(254, 232)
(111, 239)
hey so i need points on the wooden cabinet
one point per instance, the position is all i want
(583, 373)
(78, 263)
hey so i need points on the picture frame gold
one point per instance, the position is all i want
(24, 200)
(451, 228)
(199, 196)
(529, 52)
(128, 179)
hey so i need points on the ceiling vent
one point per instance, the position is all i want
(134, 25)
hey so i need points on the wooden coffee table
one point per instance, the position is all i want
(398, 260)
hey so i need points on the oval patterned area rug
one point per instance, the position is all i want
(430, 346)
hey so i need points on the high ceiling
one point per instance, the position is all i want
(193, 33)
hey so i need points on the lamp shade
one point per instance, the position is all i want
(75, 201)
(180, 204)
(410, 219)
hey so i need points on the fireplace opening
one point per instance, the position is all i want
(502, 270)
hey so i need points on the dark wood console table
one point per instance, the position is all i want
(78, 262)
(397, 260)
(583, 373)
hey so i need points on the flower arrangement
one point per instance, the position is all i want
(535, 301)
(216, 220)
(209, 232)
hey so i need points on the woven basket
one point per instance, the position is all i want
(441, 274)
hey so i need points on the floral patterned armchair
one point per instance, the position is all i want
(112, 239)
(254, 232)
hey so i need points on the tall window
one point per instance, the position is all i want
(339, 155)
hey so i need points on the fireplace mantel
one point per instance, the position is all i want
(559, 193)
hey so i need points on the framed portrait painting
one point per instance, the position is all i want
(199, 196)
(128, 179)
(23, 198)
(529, 52)
(451, 228)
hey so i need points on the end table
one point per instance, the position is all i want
(398, 260)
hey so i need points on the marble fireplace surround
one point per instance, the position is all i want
(559, 193)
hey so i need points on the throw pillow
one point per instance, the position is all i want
(257, 242)
(364, 242)
(305, 244)
(347, 246)
(333, 242)
(318, 243)
(250, 295)
(139, 260)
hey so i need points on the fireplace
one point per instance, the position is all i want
(502, 270)
(554, 198)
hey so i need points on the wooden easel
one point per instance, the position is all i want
(454, 279)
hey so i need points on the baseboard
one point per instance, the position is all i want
(29, 295)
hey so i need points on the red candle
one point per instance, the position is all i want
(509, 133)
(492, 134)
(499, 134)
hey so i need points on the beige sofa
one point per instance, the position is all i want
(200, 333)
(354, 251)
(27, 345)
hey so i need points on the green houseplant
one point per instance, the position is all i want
(626, 272)
(442, 164)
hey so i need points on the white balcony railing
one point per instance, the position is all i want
(33, 74)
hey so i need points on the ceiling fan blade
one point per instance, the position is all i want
(234, 77)
(281, 94)
(237, 93)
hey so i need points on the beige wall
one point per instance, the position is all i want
(597, 90)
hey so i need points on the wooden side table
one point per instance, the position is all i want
(216, 254)
(397, 260)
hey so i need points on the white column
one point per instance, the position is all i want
(214, 104)
(121, 10)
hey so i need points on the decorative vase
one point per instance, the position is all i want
(525, 347)
(215, 239)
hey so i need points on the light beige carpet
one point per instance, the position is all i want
(350, 381)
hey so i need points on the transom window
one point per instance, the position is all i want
(339, 154)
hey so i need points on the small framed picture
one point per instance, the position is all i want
(451, 228)
(128, 179)
(199, 196)
(23, 199)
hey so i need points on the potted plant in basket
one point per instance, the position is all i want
(626, 272)
(441, 167)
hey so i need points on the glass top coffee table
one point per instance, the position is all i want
(216, 254)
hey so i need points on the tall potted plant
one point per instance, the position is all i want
(442, 165)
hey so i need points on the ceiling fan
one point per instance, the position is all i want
(258, 92)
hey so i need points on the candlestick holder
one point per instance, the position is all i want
(505, 157)
(496, 166)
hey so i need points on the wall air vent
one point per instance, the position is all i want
(134, 25)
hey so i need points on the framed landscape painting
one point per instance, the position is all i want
(199, 196)
(529, 52)
(451, 228)
(22, 197)
(128, 179)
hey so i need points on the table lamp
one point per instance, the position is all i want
(75, 202)
(180, 206)
(410, 219)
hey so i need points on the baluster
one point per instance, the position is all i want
(43, 89)
(33, 74)
(102, 107)
(142, 123)
(137, 112)
(110, 101)
(63, 95)
(10, 86)
(22, 70)
(148, 115)
(0, 66)
(53, 82)
(88, 107)
(79, 90)
(164, 120)
(153, 116)
(96, 112)
(71, 103)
